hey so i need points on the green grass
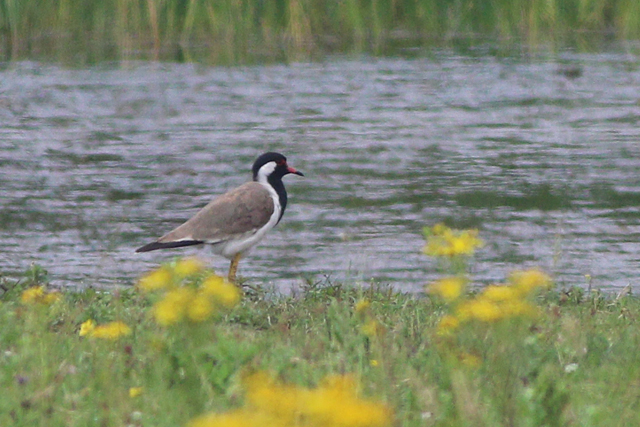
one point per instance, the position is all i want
(241, 31)
(576, 364)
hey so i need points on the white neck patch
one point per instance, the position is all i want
(264, 172)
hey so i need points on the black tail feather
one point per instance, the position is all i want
(167, 245)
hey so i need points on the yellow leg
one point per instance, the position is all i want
(233, 268)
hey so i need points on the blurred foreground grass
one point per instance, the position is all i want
(241, 31)
(331, 355)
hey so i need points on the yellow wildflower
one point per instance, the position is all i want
(172, 308)
(166, 312)
(200, 308)
(479, 309)
(372, 328)
(239, 418)
(518, 307)
(268, 396)
(449, 288)
(187, 267)
(156, 280)
(333, 403)
(110, 331)
(32, 295)
(495, 305)
(500, 293)
(51, 297)
(362, 306)
(223, 292)
(439, 229)
(195, 305)
(87, 327)
(443, 241)
(465, 243)
(447, 324)
(38, 295)
(135, 392)
(374, 363)
(528, 281)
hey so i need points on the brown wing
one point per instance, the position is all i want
(243, 210)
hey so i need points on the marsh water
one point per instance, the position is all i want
(541, 154)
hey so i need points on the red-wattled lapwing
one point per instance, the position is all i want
(237, 220)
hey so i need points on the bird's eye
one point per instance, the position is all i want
(280, 162)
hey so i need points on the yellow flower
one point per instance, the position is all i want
(195, 305)
(32, 295)
(439, 229)
(495, 305)
(87, 327)
(518, 307)
(443, 241)
(187, 267)
(268, 396)
(362, 306)
(374, 363)
(111, 331)
(449, 288)
(200, 308)
(447, 324)
(500, 293)
(223, 292)
(156, 280)
(243, 417)
(51, 297)
(135, 392)
(479, 309)
(334, 402)
(463, 242)
(528, 281)
(171, 309)
(38, 295)
(372, 328)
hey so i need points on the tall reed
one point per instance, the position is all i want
(232, 31)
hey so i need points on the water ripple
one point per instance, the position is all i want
(96, 162)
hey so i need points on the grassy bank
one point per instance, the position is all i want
(370, 357)
(240, 31)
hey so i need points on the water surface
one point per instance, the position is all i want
(540, 154)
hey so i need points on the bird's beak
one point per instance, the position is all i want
(292, 170)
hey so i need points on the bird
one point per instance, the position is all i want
(237, 220)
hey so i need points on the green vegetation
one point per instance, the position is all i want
(241, 31)
(570, 360)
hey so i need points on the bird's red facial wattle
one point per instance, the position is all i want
(283, 163)
(294, 171)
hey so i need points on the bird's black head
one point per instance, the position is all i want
(269, 169)
(271, 166)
